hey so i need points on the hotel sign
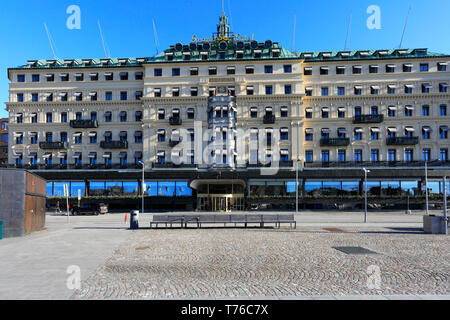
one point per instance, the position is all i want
(231, 37)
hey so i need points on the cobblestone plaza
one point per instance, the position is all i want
(185, 264)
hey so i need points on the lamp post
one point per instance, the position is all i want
(296, 186)
(143, 184)
(426, 188)
(365, 194)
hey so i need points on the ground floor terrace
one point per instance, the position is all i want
(225, 191)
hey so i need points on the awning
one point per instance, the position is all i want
(309, 130)
(108, 74)
(191, 110)
(77, 155)
(391, 65)
(375, 87)
(284, 130)
(225, 108)
(325, 130)
(443, 84)
(161, 111)
(176, 89)
(47, 156)
(161, 131)
(427, 129)
(269, 130)
(340, 67)
(49, 75)
(409, 85)
(32, 155)
(392, 108)
(409, 107)
(410, 129)
(161, 153)
(93, 74)
(342, 130)
(309, 109)
(341, 109)
(427, 85)
(358, 87)
(33, 134)
(392, 129)
(359, 130)
(108, 134)
(443, 128)
(123, 134)
(92, 155)
(77, 134)
(176, 154)
(194, 89)
(107, 155)
(62, 155)
(18, 134)
(253, 109)
(17, 155)
(442, 63)
(77, 94)
(375, 129)
(308, 68)
(78, 74)
(176, 111)
(408, 65)
(92, 134)
(157, 90)
(325, 109)
(392, 86)
(324, 68)
(62, 94)
(254, 131)
(284, 109)
(284, 152)
(47, 94)
(92, 94)
(357, 67)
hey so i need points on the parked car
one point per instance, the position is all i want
(89, 209)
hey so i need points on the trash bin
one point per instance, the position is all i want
(134, 219)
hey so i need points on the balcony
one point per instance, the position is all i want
(53, 145)
(402, 141)
(175, 121)
(269, 119)
(368, 118)
(114, 144)
(83, 124)
(334, 142)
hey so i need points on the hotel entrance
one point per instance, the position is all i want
(220, 195)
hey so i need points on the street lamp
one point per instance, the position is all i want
(426, 188)
(365, 194)
(143, 184)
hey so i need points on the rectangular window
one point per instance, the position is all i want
(269, 90)
(392, 155)
(307, 71)
(443, 111)
(35, 78)
(341, 156)
(442, 66)
(34, 97)
(426, 153)
(426, 111)
(287, 68)
(443, 154)
(268, 69)
(325, 156)
(374, 155)
(324, 71)
(20, 78)
(123, 95)
(408, 155)
(64, 117)
(424, 67)
(308, 156)
(340, 70)
(176, 72)
(341, 91)
(287, 89)
(158, 72)
(212, 71)
(20, 97)
(49, 117)
(373, 69)
(443, 88)
(325, 91)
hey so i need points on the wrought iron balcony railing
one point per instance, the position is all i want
(175, 121)
(368, 118)
(83, 124)
(114, 144)
(269, 119)
(402, 141)
(334, 142)
(53, 145)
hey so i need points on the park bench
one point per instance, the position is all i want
(228, 220)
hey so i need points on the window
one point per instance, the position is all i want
(231, 70)
(194, 91)
(123, 95)
(287, 89)
(341, 113)
(287, 68)
(308, 113)
(268, 69)
(307, 71)
(358, 90)
(358, 111)
(324, 71)
(93, 96)
(64, 77)
(426, 111)
(426, 133)
(284, 112)
(407, 67)
(20, 97)
(426, 88)
(443, 110)
(78, 116)
(392, 157)
(249, 70)
(408, 89)
(374, 155)
(374, 110)
(138, 137)
(161, 135)
(34, 97)
(191, 113)
(161, 157)
(443, 155)
(78, 138)
(284, 134)
(325, 91)
(34, 118)
(374, 134)
(325, 112)
(49, 117)
(93, 137)
(391, 111)
(108, 96)
(79, 96)
(308, 156)
(138, 116)
(157, 72)
(358, 134)
(443, 87)
(250, 90)
(325, 156)
(108, 116)
(176, 72)
(308, 92)
(124, 76)
(269, 90)
(341, 155)
(340, 70)
(443, 132)
(19, 118)
(212, 71)
(309, 135)
(63, 136)
(139, 75)
(357, 69)
(79, 77)
(254, 112)
(374, 89)
(49, 97)
(123, 136)
(341, 91)
(424, 67)
(390, 68)
(20, 78)
(426, 154)
(35, 78)
(109, 76)
(373, 69)
(123, 116)
(408, 155)
(441, 66)
(33, 138)
(94, 76)
(409, 111)
(194, 71)
(94, 116)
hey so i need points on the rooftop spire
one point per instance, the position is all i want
(223, 29)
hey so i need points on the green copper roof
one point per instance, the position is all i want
(367, 55)
(84, 63)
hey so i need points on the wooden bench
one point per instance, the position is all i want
(259, 220)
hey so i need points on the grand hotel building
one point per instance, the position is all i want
(224, 123)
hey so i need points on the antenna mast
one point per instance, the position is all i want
(348, 30)
(155, 36)
(293, 33)
(103, 40)
(50, 41)
(404, 28)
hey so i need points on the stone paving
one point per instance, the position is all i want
(268, 263)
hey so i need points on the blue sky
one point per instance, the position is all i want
(128, 30)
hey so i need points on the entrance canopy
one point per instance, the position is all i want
(195, 184)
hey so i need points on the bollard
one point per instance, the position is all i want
(134, 219)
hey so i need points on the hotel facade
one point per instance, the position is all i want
(229, 123)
